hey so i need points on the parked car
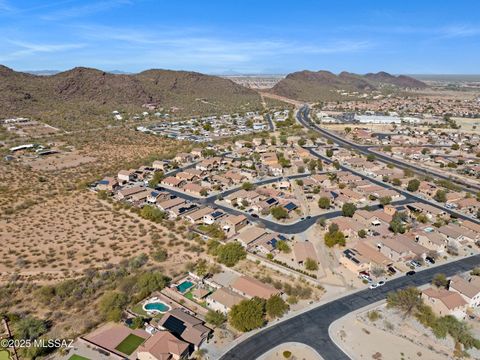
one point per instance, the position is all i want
(415, 264)
(411, 272)
(373, 286)
(430, 260)
(366, 278)
(381, 283)
(392, 270)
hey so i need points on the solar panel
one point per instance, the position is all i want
(290, 206)
(175, 325)
(217, 214)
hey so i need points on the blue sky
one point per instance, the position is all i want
(262, 36)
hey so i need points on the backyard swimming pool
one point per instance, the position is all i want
(156, 306)
(184, 286)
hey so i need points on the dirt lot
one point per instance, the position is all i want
(64, 236)
(391, 336)
(58, 161)
(52, 225)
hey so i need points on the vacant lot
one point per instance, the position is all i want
(62, 237)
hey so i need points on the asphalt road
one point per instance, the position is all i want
(292, 228)
(410, 197)
(311, 327)
(303, 118)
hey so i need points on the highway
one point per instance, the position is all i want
(311, 327)
(302, 117)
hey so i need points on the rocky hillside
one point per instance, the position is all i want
(95, 91)
(321, 85)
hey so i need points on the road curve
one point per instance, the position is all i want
(311, 327)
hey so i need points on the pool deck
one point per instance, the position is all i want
(188, 304)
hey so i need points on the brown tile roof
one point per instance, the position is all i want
(450, 299)
(251, 234)
(253, 287)
(162, 345)
(469, 288)
(226, 297)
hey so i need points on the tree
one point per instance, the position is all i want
(319, 165)
(413, 185)
(371, 157)
(324, 202)
(408, 173)
(455, 147)
(111, 305)
(440, 280)
(334, 236)
(422, 218)
(201, 268)
(362, 233)
(311, 264)
(301, 169)
(248, 314)
(215, 318)
(29, 328)
(385, 200)
(157, 177)
(396, 182)
(321, 222)
(406, 300)
(160, 255)
(275, 307)
(247, 186)
(149, 282)
(283, 246)
(279, 212)
(348, 209)
(152, 213)
(441, 196)
(475, 271)
(397, 223)
(231, 253)
(329, 153)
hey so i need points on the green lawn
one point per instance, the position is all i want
(4, 355)
(130, 344)
(138, 309)
(189, 296)
(77, 357)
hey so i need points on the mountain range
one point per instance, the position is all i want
(321, 85)
(94, 90)
(83, 92)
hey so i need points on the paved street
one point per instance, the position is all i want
(303, 118)
(311, 327)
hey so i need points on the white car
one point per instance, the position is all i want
(366, 278)
(381, 283)
(373, 286)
